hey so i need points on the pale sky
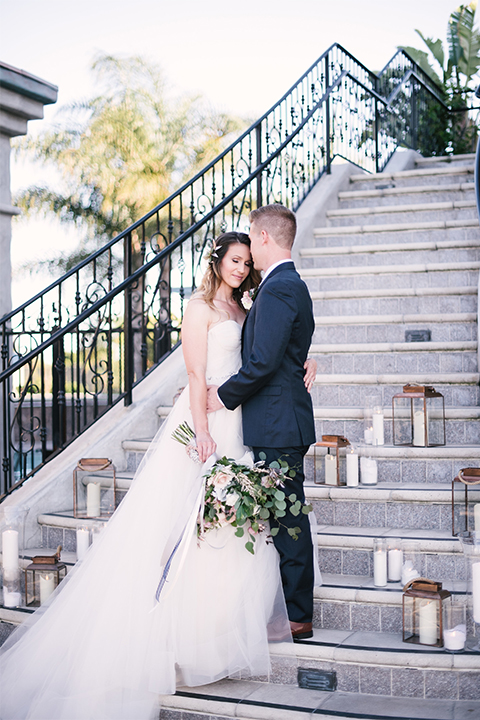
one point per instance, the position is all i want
(241, 56)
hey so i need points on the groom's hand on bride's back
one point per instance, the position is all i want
(213, 401)
(310, 373)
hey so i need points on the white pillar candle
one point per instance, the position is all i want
(476, 591)
(395, 564)
(368, 471)
(10, 549)
(352, 469)
(379, 568)
(428, 622)
(83, 542)
(476, 517)
(378, 425)
(419, 428)
(455, 638)
(93, 499)
(368, 435)
(330, 469)
(409, 572)
(47, 586)
(11, 599)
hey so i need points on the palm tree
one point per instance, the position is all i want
(121, 152)
(455, 70)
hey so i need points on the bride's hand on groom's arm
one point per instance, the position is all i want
(310, 373)
(213, 402)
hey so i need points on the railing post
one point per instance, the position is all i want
(5, 425)
(59, 429)
(414, 116)
(327, 117)
(128, 327)
(377, 149)
(258, 137)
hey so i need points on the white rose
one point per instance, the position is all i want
(232, 498)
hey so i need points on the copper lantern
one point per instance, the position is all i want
(94, 488)
(418, 417)
(333, 471)
(423, 610)
(42, 576)
(466, 501)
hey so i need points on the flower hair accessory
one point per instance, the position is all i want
(213, 253)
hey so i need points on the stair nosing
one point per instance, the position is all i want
(395, 227)
(411, 207)
(405, 190)
(405, 174)
(389, 247)
(393, 292)
(395, 319)
(388, 269)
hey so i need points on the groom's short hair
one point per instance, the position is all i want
(278, 221)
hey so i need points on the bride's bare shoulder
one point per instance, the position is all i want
(198, 309)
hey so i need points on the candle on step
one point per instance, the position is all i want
(455, 638)
(47, 586)
(368, 433)
(378, 425)
(10, 550)
(419, 428)
(352, 467)
(368, 471)
(476, 591)
(11, 599)
(476, 517)
(428, 622)
(330, 469)
(379, 562)
(93, 499)
(409, 572)
(83, 542)
(395, 564)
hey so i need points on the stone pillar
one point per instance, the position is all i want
(22, 98)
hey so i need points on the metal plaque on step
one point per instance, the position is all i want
(313, 679)
(418, 335)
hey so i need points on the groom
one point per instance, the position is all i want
(276, 406)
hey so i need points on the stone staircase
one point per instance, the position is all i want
(401, 252)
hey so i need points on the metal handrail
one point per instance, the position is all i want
(62, 369)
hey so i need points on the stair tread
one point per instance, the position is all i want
(406, 190)
(410, 207)
(405, 174)
(260, 701)
(389, 247)
(393, 292)
(345, 413)
(396, 227)
(427, 346)
(395, 318)
(397, 379)
(434, 160)
(388, 269)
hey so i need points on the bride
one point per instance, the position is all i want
(101, 648)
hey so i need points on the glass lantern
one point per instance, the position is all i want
(471, 550)
(418, 417)
(94, 488)
(466, 504)
(42, 576)
(334, 472)
(423, 612)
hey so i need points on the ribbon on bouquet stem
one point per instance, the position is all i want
(183, 530)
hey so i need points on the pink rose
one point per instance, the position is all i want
(221, 479)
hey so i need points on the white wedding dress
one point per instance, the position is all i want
(101, 648)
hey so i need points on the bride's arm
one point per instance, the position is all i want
(194, 345)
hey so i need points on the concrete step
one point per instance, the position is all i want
(415, 304)
(408, 506)
(365, 258)
(352, 602)
(419, 176)
(378, 277)
(420, 206)
(388, 247)
(394, 292)
(391, 328)
(399, 227)
(387, 193)
(402, 696)
(343, 390)
(450, 159)
(411, 213)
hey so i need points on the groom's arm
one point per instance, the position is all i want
(275, 315)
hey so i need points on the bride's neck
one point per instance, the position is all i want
(224, 294)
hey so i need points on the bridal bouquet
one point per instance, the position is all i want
(245, 497)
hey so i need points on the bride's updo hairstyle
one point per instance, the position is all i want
(213, 278)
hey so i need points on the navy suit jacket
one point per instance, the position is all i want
(276, 406)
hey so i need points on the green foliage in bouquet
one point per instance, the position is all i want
(248, 498)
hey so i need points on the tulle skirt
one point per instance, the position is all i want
(102, 649)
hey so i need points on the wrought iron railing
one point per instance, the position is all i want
(81, 345)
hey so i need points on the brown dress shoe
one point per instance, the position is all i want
(301, 631)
